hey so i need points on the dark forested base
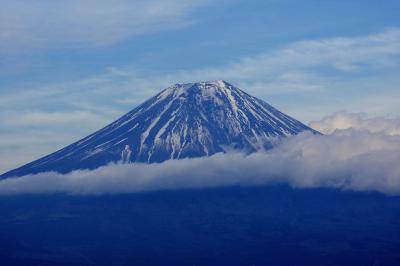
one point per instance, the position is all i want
(224, 226)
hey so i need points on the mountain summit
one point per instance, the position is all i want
(184, 120)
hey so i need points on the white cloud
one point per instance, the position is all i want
(348, 160)
(320, 69)
(313, 77)
(88, 23)
(358, 121)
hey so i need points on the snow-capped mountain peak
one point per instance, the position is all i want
(184, 120)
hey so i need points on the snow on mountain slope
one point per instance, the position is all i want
(185, 120)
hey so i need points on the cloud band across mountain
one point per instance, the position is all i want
(346, 160)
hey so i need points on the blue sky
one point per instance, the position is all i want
(70, 67)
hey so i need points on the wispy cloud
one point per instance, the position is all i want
(306, 67)
(331, 66)
(88, 23)
(39, 119)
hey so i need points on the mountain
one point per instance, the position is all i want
(184, 120)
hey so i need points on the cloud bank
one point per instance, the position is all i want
(358, 121)
(347, 160)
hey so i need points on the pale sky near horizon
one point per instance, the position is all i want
(70, 67)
